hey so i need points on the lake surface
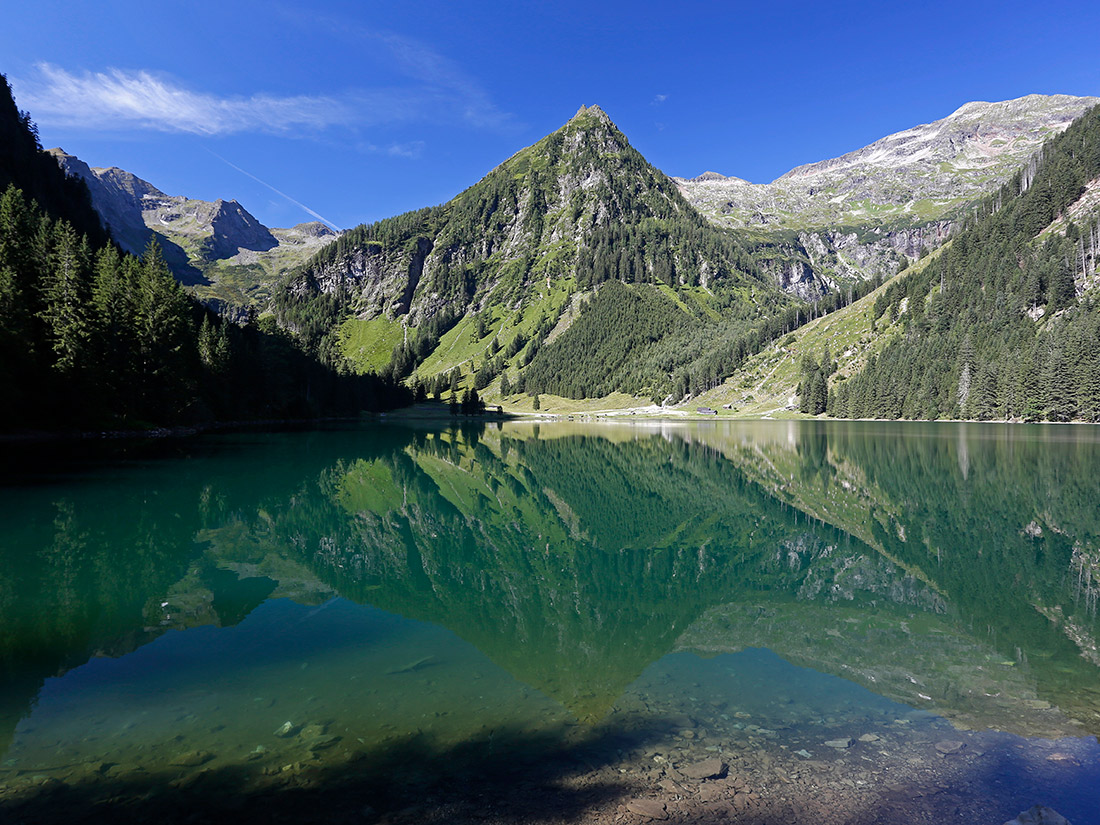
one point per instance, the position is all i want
(702, 622)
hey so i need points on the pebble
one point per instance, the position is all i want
(949, 746)
(839, 744)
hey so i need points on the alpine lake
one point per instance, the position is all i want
(406, 622)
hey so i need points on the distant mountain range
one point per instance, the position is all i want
(832, 222)
(217, 248)
(851, 217)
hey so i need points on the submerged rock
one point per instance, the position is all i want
(320, 743)
(647, 808)
(287, 729)
(707, 769)
(1039, 815)
(949, 746)
(192, 759)
(839, 744)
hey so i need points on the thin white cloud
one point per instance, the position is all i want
(117, 100)
(444, 90)
(411, 150)
(658, 100)
(443, 76)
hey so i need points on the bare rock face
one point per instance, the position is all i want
(117, 196)
(233, 229)
(133, 209)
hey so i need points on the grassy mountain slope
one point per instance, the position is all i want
(768, 383)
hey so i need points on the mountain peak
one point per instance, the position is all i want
(592, 111)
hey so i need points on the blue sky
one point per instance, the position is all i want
(354, 111)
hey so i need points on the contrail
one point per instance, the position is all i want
(299, 204)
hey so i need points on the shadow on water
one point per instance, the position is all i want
(502, 776)
(512, 777)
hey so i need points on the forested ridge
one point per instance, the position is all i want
(93, 337)
(995, 328)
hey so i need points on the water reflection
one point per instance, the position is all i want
(952, 569)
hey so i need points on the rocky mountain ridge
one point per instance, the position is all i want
(862, 214)
(217, 248)
(911, 176)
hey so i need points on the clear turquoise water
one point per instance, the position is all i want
(522, 623)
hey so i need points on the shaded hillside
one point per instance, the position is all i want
(25, 166)
(92, 338)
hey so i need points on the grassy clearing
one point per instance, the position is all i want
(767, 383)
(368, 345)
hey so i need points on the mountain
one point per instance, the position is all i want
(574, 238)
(1002, 322)
(910, 177)
(863, 213)
(218, 248)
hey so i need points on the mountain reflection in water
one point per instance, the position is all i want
(949, 568)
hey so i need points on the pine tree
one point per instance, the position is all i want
(65, 294)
